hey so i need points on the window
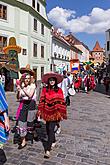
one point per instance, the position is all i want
(33, 3)
(3, 42)
(42, 71)
(35, 50)
(42, 51)
(35, 24)
(42, 29)
(35, 71)
(3, 12)
(67, 67)
(58, 55)
(108, 45)
(38, 7)
(50, 67)
(24, 52)
(55, 54)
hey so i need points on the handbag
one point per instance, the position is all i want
(71, 91)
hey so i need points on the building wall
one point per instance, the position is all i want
(60, 49)
(20, 24)
(98, 57)
(72, 54)
(85, 53)
(42, 8)
(8, 25)
(107, 49)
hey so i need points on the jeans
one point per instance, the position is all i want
(68, 100)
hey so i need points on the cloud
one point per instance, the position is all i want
(60, 17)
(95, 22)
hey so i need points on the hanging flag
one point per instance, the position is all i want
(75, 67)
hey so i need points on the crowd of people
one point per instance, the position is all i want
(53, 99)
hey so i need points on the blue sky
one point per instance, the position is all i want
(86, 19)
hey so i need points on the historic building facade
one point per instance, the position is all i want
(82, 52)
(26, 20)
(60, 59)
(82, 49)
(107, 45)
(98, 54)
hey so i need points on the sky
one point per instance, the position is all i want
(86, 19)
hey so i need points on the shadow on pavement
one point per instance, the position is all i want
(39, 134)
(101, 89)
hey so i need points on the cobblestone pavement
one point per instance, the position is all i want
(84, 138)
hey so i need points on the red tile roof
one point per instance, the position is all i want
(59, 36)
(97, 48)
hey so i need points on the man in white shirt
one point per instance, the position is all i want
(64, 85)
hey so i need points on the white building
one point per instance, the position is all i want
(85, 52)
(26, 20)
(107, 46)
(60, 59)
(82, 52)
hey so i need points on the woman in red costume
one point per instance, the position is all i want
(92, 82)
(77, 84)
(87, 83)
(52, 107)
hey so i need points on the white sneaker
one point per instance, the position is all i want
(58, 130)
(47, 154)
(53, 145)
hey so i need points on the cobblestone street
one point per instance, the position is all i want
(84, 138)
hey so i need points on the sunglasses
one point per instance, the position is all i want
(52, 79)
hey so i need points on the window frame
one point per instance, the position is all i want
(35, 23)
(42, 72)
(42, 53)
(24, 51)
(3, 15)
(42, 28)
(38, 7)
(3, 43)
(35, 52)
(33, 4)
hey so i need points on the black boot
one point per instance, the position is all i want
(29, 137)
